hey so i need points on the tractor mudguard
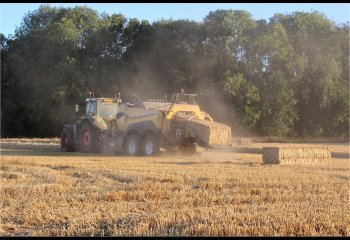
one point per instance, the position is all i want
(95, 121)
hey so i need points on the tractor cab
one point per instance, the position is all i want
(104, 107)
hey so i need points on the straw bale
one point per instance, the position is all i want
(211, 133)
(245, 141)
(296, 155)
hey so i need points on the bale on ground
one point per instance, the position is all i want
(296, 155)
(245, 141)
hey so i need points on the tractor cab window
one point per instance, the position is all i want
(91, 108)
(107, 109)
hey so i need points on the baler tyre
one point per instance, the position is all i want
(90, 139)
(67, 140)
(150, 145)
(133, 145)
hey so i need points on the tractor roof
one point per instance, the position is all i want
(102, 99)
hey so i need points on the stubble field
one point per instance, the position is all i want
(45, 192)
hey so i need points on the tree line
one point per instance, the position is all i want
(288, 76)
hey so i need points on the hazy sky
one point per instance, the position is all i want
(12, 13)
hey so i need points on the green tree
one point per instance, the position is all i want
(320, 78)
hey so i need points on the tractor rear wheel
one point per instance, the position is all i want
(133, 145)
(90, 139)
(150, 145)
(67, 140)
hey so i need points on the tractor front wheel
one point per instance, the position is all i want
(67, 140)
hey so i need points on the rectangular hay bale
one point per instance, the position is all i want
(296, 155)
(245, 141)
(211, 133)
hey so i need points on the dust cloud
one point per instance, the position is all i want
(222, 111)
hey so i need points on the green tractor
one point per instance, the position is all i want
(89, 131)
